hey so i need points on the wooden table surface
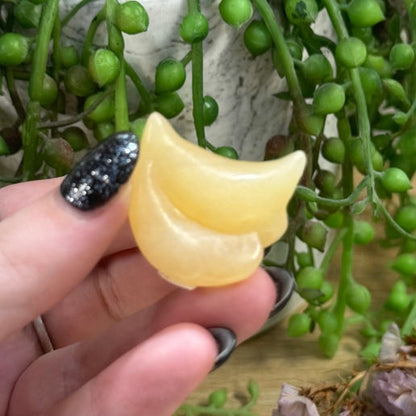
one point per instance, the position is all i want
(273, 358)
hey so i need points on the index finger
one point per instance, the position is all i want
(16, 197)
(48, 247)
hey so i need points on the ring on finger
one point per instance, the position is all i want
(43, 335)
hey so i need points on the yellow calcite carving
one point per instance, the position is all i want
(202, 219)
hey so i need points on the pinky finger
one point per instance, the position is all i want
(152, 379)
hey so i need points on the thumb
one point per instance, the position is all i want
(152, 379)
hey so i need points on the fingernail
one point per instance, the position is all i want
(285, 285)
(99, 175)
(226, 341)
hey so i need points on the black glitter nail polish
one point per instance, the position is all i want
(99, 175)
(285, 286)
(226, 341)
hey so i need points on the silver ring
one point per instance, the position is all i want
(42, 334)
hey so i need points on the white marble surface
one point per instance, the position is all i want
(244, 87)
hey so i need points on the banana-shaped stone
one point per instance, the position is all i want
(202, 219)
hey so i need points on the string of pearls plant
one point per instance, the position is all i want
(362, 77)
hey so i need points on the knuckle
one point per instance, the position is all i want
(109, 292)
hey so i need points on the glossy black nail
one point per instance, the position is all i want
(226, 341)
(99, 175)
(285, 285)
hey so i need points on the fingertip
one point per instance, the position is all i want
(242, 307)
(15, 197)
(259, 296)
(49, 238)
(266, 288)
(194, 349)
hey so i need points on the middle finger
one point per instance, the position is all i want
(121, 285)
(243, 307)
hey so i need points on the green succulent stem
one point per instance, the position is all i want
(57, 47)
(41, 53)
(245, 410)
(116, 44)
(346, 272)
(191, 410)
(121, 111)
(30, 140)
(74, 11)
(411, 11)
(331, 250)
(309, 195)
(409, 114)
(364, 127)
(392, 222)
(409, 325)
(194, 6)
(197, 92)
(80, 116)
(345, 277)
(56, 58)
(197, 57)
(334, 12)
(286, 59)
(287, 62)
(89, 37)
(187, 58)
(14, 95)
(146, 98)
(39, 62)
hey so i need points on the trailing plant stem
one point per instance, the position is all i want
(200, 410)
(37, 76)
(146, 99)
(334, 13)
(198, 82)
(14, 95)
(286, 59)
(74, 11)
(346, 272)
(30, 140)
(121, 115)
(89, 37)
(364, 127)
(348, 230)
(331, 250)
(41, 53)
(409, 325)
(116, 44)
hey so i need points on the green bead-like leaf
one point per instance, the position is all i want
(351, 52)
(365, 13)
(396, 91)
(358, 298)
(131, 17)
(104, 66)
(218, 398)
(395, 180)
(405, 264)
(328, 98)
(401, 56)
(328, 343)
(299, 324)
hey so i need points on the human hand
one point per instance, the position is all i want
(126, 342)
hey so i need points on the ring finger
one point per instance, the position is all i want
(242, 307)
